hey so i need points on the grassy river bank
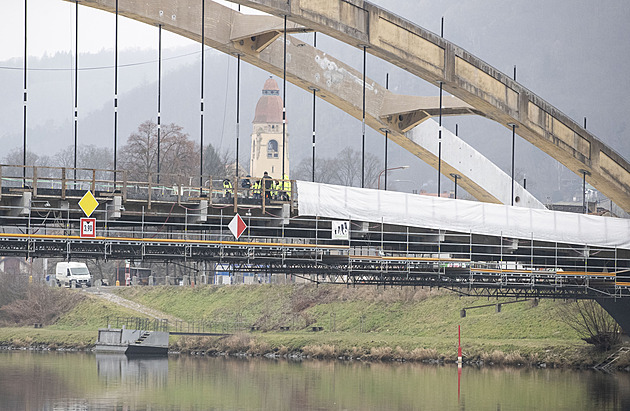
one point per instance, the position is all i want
(365, 323)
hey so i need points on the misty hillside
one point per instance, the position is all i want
(571, 53)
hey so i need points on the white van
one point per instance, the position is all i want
(71, 272)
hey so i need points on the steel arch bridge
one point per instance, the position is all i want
(478, 87)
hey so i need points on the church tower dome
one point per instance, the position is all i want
(267, 139)
(269, 107)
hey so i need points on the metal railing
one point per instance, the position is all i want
(44, 181)
(180, 326)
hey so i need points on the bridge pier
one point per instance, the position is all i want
(619, 309)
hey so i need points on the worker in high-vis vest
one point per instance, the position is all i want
(256, 189)
(286, 188)
(275, 187)
(227, 187)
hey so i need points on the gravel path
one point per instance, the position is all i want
(106, 294)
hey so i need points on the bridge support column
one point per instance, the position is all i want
(619, 310)
(114, 207)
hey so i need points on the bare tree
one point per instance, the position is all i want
(347, 168)
(592, 322)
(178, 154)
(343, 169)
(12, 287)
(16, 157)
(88, 156)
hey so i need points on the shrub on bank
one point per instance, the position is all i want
(324, 351)
(40, 304)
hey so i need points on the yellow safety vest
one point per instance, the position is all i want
(227, 185)
(274, 188)
(287, 186)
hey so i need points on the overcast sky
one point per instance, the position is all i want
(572, 53)
(51, 28)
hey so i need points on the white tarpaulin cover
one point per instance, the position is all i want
(415, 210)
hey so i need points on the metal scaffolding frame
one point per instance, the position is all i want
(190, 224)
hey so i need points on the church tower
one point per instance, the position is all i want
(267, 134)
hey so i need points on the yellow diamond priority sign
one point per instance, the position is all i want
(88, 203)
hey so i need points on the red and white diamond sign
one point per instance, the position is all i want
(237, 226)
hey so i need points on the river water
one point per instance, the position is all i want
(84, 381)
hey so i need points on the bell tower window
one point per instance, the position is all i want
(272, 149)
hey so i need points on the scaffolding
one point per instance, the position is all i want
(278, 242)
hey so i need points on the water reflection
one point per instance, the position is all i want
(150, 372)
(83, 381)
(604, 390)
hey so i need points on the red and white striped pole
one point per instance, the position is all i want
(459, 360)
(459, 345)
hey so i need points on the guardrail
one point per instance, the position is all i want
(192, 327)
(44, 181)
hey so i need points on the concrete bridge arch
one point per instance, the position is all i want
(491, 92)
(478, 87)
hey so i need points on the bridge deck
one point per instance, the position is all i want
(292, 233)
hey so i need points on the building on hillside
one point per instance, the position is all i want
(15, 265)
(267, 139)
